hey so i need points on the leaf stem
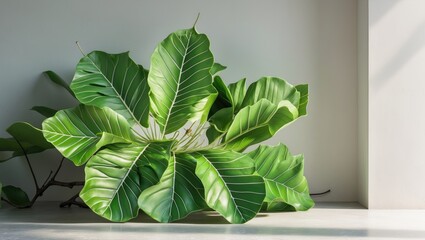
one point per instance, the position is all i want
(197, 18)
(29, 164)
(79, 48)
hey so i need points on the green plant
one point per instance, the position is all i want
(139, 134)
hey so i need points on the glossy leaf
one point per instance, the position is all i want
(54, 77)
(273, 89)
(16, 196)
(259, 122)
(217, 67)
(79, 132)
(180, 79)
(178, 193)
(113, 182)
(219, 123)
(238, 91)
(283, 175)
(45, 111)
(303, 90)
(230, 187)
(114, 81)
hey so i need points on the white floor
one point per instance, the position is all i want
(326, 221)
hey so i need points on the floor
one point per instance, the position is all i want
(326, 221)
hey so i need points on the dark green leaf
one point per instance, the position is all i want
(224, 98)
(54, 77)
(238, 91)
(16, 196)
(45, 111)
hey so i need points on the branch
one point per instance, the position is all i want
(73, 201)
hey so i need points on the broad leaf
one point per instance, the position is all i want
(79, 132)
(16, 196)
(302, 108)
(12, 148)
(54, 77)
(180, 79)
(238, 91)
(113, 182)
(283, 174)
(230, 187)
(178, 193)
(114, 81)
(224, 97)
(219, 123)
(273, 89)
(217, 67)
(259, 122)
(45, 111)
(25, 133)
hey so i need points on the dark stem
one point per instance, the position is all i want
(29, 164)
(320, 193)
(73, 201)
(194, 24)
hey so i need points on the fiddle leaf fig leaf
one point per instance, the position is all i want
(114, 81)
(28, 135)
(80, 132)
(303, 89)
(230, 187)
(45, 111)
(224, 97)
(259, 122)
(180, 79)
(113, 181)
(273, 89)
(55, 78)
(15, 196)
(217, 67)
(283, 175)
(178, 193)
(238, 92)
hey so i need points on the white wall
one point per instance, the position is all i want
(303, 41)
(396, 104)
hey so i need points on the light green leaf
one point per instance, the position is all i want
(113, 182)
(79, 132)
(302, 108)
(230, 187)
(114, 81)
(283, 174)
(54, 77)
(259, 122)
(45, 111)
(273, 89)
(217, 67)
(180, 79)
(16, 196)
(238, 91)
(178, 193)
(224, 98)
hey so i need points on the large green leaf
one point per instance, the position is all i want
(238, 91)
(15, 196)
(273, 89)
(114, 81)
(180, 79)
(113, 182)
(79, 132)
(178, 193)
(256, 123)
(283, 174)
(230, 187)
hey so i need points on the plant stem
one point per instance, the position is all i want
(29, 164)
(320, 193)
(73, 201)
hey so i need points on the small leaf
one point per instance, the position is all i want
(79, 132)
(259, 122)
(16, 196)
(114, 81)
(54, 77)
(303, 89)
(45, 111)
(230, 187)
(217, 67)
(238, 91)
(284, 177)
(178, 193)
(224, 98)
